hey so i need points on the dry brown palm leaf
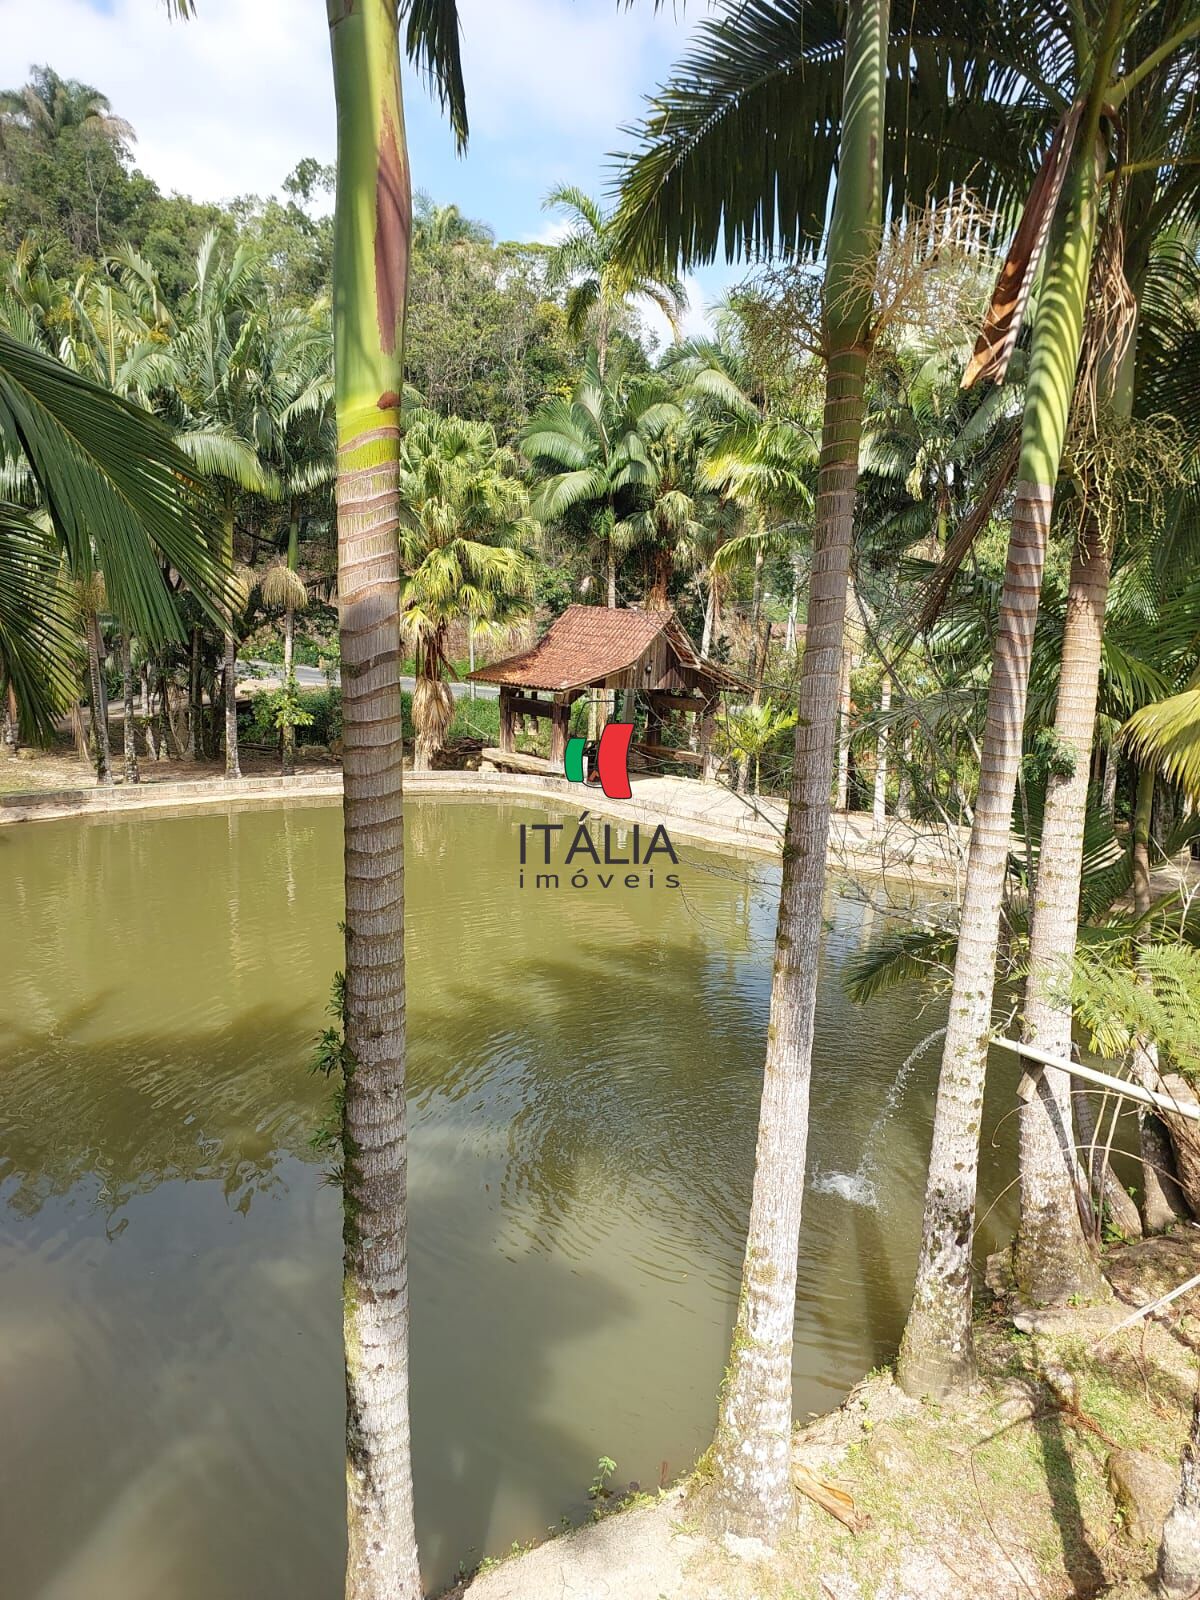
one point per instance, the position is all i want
(829, 1497)
(1006, 313)
(1109, 323)
(934, 592)
(283, 588)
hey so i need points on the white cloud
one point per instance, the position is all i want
(695, 323)
(228, 103)
(552, 232)
(223, 105)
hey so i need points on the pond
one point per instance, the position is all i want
(584, 1072)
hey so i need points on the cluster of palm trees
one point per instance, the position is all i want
(243, 391)
(829, 134)
(1093, 104)
(650, 475)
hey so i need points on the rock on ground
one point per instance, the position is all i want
(1144, 1488)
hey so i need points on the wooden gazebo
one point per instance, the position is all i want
(597, 647)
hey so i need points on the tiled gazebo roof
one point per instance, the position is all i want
(588, 644)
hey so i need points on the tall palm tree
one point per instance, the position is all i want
(1107, 59)
(768, 469)
(783, 75)
(593, 452)
(755, 67)
(436, 227)
(48, 104)
(462, 550)
(372, 226)
(1140, 265)
(295, 406)
(753, 1440)
(89, 597)
(208, 382)
(671, 521)
(599, 289)
(680, 505)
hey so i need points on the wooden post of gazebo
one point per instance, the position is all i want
(560, 722)
(507, 741)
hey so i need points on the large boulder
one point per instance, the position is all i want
(1144, 1488)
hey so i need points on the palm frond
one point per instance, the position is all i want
(119, 491)
(38, 643)
(1166, 735)
(434, 47)
(897, 956)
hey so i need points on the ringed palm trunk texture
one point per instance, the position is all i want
(879, 799)
(1054, 1259)
(372, 226)
(1054, 1256)
(288, 761)
(288, 758)
(129, 728)
(845, 668)
(937, 1352)
(98, 695)
(1162, 1199)
(1178, 1571)
(233, 767)
(195, 735)
(752, 1448)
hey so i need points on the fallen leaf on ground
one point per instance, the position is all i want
(829, 1497)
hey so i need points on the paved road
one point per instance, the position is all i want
(314, 678)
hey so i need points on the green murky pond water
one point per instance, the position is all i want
(584, 1073)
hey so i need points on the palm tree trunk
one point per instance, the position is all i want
(937, 1353)
(904, 787)
(232, 765)
(195, 736)
(132, 775)
(755, 612)
(288, 758)
(879, 799)
(846, 667)
(1107, 1191)
(710, 617)
(12, 721)
(288, 731)
(659, 596)
(1053, 1257)
(98, 695)
(752, 1448)
(610, 563)
(372, 229)
(1179, 1553)
(169, 742)
(1108, 784)
(1162, 1198)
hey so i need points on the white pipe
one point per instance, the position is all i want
(1121, 1086)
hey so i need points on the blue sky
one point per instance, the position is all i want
(227, 104)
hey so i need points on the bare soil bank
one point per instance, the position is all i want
(1051, 1480)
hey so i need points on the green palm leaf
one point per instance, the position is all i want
(38, 644)
(119, 491)
(1166, 734)
(900, 955)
